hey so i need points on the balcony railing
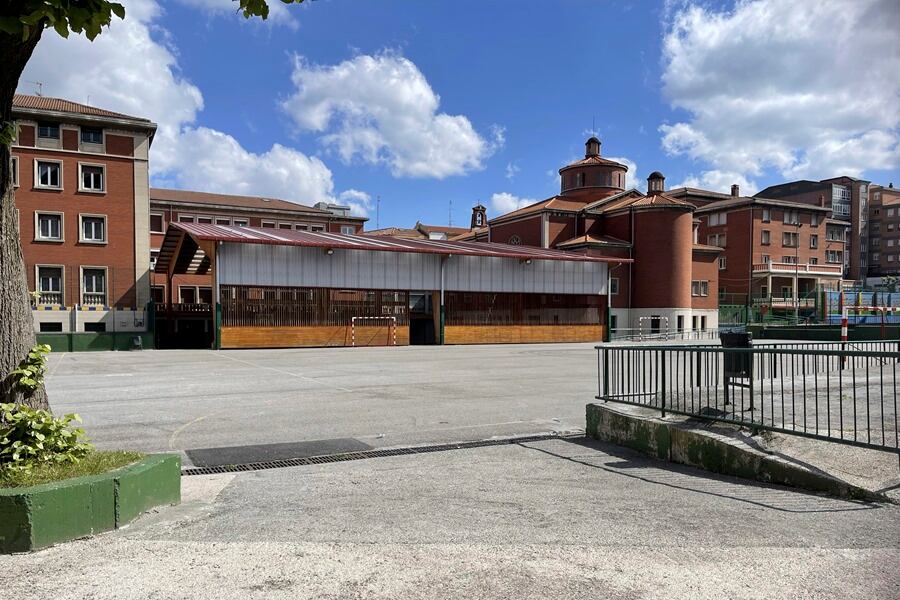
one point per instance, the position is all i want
(801, 268)
(94, 299)
(786, 301)
(184, 307)
(50, 298)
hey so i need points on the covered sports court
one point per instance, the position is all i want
(281, 289)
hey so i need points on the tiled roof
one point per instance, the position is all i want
(441, 229)
(737, 202)
(652, 201)
(554, 203)
(254, 235)
(399, 232)
(25, 102)
(594, 160)
(599, 240)
(165, 196)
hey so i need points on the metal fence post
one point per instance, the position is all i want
(662, 373)
(605, 374)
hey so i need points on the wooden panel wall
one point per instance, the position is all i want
(313, 336)
(521, 334)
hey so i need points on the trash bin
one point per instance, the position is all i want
(137, 343)
(737, 364)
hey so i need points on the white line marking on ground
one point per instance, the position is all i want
(56, 366)
(283, 372)
(183, 427)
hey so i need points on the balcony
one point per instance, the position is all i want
(183, 308)
(50, 298)
(93, 299)
(783, 268)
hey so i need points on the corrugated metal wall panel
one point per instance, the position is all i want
(259, 264)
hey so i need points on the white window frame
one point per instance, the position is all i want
(62, 280)
(240, 222)
(790, 235)
(301, 227)
(765, 237)
(285, 226)
(92, 146)
(318, 227)
(186, 219)
(267, 224)
(162, 216)
(814, 241)
(349, 229)
(227, 221)
(84, 240)
(81, 187)
(105, 282)
(723, 263)
(37, 226)
(208, 219)
(153, 262)
(14, 170)
(766, 215)
(196, 294)
(37, 178)
(37, 131)
(700, 288)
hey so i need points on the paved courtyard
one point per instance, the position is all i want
(551, 519)
(190, 399)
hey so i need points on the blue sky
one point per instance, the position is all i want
(428, 103)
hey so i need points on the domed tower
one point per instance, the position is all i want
(593, 177)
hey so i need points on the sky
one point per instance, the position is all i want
(411, 110)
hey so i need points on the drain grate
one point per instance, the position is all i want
(366, 454)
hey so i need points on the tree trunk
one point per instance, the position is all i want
(16, 322)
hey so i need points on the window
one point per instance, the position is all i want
(350, 229)
(240, 222)
(267, 224)
(694, 321)
(157, 223)
(834, 256)
(613, 323)
(703, 323)
(791, 217)
(49, 174)
(223, 221)
(204, 295)
(814, 220)
(51, 327)
(49, 227)
(723, 263)
(91, 135)
(790, 239)
(765, 237)
(766, 259)
(317, 228)
(717, 239)
(716, 219)
(891, 242)
(813, 260)
(764, 290)
(14, 170)
(301, 227)
(48, 131)
(154, 256)
(766, 215)
(890, 226)
(890, 258)
(93, 229)
(700, 288)
(92, 178)
(479, 219)
(93, 286)
(285, 226)
(187, 294)
(680, 323)
(49, 284)
(95, 327)
(890, 212)
(614, 286)
(185, 218)
(876, 257)
(158, 293)
(791, 260)
(786, 291)
(814, 241)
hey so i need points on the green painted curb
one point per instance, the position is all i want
(679, 443)
(42, 515)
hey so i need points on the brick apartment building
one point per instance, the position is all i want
(768, 246)
(884, 232)
(421, 232)
(848, 200)
(672, 282)
(82, 191)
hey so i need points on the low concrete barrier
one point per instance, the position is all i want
(680, 442)
(38, 516)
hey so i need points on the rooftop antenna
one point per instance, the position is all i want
(450, 214)
(378, 211)
(40, 86)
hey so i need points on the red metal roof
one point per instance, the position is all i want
(23, 101)
(284, 237)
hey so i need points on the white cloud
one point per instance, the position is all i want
(504, 202)
(718, 181)
(381, 110)
(772, 84)
(279, 14)
(511, 171)
(360, 203)
(183, 153)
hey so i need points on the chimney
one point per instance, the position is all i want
(479, 217)
(735, 190)
(822, 200)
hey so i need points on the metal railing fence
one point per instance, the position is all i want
(810, 389)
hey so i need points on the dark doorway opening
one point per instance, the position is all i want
(421, 319)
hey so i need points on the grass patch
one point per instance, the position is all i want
(93, 463)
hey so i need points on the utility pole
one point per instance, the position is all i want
(797, 276)
(378, 211)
